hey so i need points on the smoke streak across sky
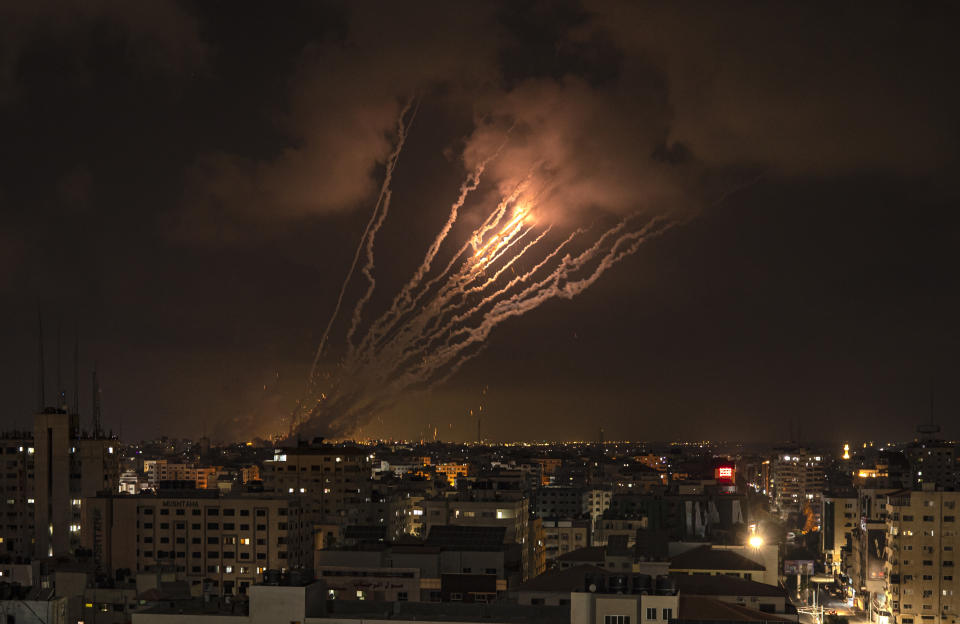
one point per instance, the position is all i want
(440, 319)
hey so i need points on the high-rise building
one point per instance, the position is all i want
(839, 518)
(932, 460)
(797, 479)
(44, 480)
(68, 468)
(334, 481)
(17, 498)
(922, 557)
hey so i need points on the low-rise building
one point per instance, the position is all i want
(562, 536)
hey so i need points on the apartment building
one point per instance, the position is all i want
(596, 502)
(510, 512)
(559, 502)
(222, 543)
(933, 462)
(563, 535)
(44, 477)
(17, 497)
(922, 551)
(451, 472)
(838, 519)
(473, 562)
(797, 479)
(333, 481)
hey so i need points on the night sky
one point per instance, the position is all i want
(186, 183)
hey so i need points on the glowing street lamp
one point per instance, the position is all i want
(755, 541)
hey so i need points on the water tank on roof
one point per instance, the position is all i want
(618, 584)
(665, 586)
(641, 583)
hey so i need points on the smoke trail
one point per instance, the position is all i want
(386, 194)
(434, 326)
(403, 297)
(391, 163)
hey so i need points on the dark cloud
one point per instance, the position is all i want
(344, 99)
(153, 32)
(802, 88)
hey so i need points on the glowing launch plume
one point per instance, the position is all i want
(440, 319)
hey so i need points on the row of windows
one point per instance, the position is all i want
(211, 511)
(215, 526)
(230, 541)
(170, 554)
(652, 614)
(909, 518)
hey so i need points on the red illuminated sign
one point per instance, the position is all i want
(725, 472)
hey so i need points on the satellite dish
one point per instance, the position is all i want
(592, 587)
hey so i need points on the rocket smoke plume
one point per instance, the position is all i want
(513, 262)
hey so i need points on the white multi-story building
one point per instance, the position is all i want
(797, 479)
(922, 557)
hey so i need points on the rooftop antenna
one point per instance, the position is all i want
(41, 391)
(76, 371)
(60, 393)
(97, 424)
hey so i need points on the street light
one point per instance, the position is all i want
(755, 541)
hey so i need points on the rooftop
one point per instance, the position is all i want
(706, 585)
(704, 609)
(587, 553)
(481, 537)
(564, 581)
(708, 558)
